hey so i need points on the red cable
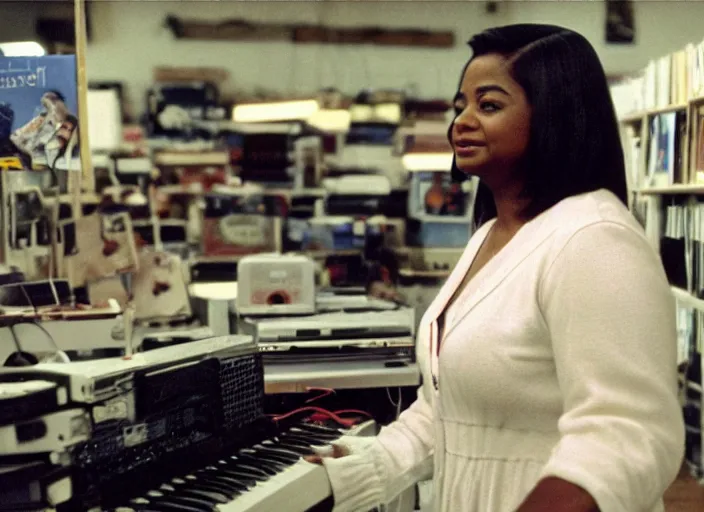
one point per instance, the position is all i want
(352, 411)
(319, 410)
(326, 392)
(320, 414)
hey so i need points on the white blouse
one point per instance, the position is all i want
(558, 359)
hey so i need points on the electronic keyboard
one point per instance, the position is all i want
(268, 476)
(179, 428)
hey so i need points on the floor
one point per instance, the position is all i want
(685, 494)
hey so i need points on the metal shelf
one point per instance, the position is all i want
(297, 378)
(687, 298)
(681, 189)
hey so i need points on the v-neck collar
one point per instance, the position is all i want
(458, 274)
(521, 245)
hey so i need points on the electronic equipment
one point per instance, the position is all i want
(439, 211)
(194, 170)
(333, 233)
(305, 205)
(350, 299)
(176, 109)
(32, 295)
(240, 222)
(428, 259)
(48, 433)
(355, 335)
(178, 427)
(275, 284)
(356, 195)
(33, 485)
(115, 417)
(262, 470)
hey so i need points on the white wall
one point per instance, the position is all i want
(130, 39)
(17, 20)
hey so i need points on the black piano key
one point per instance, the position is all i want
(279, 455)
(268, 467)
(231, 481)
(243, 477)
(248, 466)
(330, 436)
(207, 493)
(296, 446)
(163, 505)
(318, 428)
(192, 481)
(228, 486)
(204, 482)
(250, 472)
(311, 439)
(298, 450)
(244, 471)
(189, 501)
(198, 491)
(273, 458)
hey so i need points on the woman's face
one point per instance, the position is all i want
(491, 131)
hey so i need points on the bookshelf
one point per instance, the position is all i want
(661, 118)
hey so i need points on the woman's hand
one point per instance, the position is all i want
(335, 451)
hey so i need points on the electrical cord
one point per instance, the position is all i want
(397, 403)
(324, 392)
(15, 338)
(333, 415)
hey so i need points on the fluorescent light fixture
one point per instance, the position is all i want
(337, 120)
(361, 113)
(427, 161)
(388, 112)
(381, 113)
(277, 111)
(22, 49)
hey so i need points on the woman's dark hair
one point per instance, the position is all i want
(574, 144)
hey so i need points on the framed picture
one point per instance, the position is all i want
(620, 23)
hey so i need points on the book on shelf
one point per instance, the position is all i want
(632, 155)
(665, 149)
(685, 332)
(681, 245)
(39, 113)
(697, 144)
(669, 80)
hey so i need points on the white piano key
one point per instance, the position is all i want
(296, 489)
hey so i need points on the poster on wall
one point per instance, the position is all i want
(38, 113)
(620, 24)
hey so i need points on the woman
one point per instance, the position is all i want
(549, 356)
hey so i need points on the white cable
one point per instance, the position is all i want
(397, 403)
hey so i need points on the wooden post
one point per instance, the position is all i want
(87, 179)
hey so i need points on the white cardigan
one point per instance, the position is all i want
(561, 361)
